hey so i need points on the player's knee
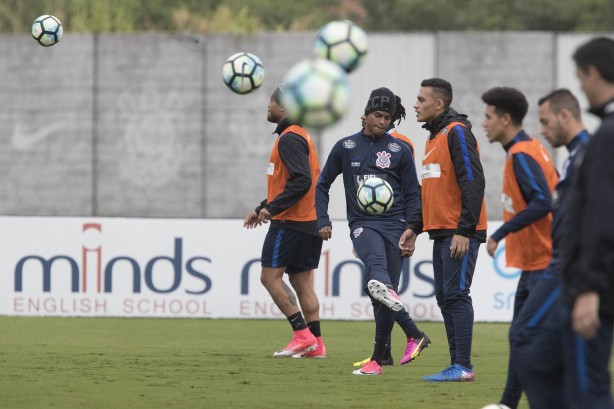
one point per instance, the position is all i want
(267, 280)
(300, 281)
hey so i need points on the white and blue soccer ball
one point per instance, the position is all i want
(342, 42)
(496, 406)
(317, 93)
(375, 196)
(47, 30)
(243, 72)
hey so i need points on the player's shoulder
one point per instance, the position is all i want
(348, 142)
(399, 145)
(402, 138)
(459, 133)
(291, 137)
(456, 127)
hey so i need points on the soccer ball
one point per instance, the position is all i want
(47, 30)
(317, 93)
(243, 72)
(375, 196)
(342, 42)
(495, 406)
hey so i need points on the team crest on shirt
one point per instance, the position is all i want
(394, 147)
(444, 131)
(383, 160)
(357, 232)
(349, 144)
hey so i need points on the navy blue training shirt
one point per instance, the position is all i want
(358, 157)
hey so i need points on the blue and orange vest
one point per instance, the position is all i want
(277, 176)
(531, 247)
(441, 195)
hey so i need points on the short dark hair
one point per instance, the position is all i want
(507, 100)
(562, 98)
(598, 52)
(442, 88)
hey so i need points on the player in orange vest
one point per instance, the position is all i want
(292, 244)
(454, 215)
(529, 178)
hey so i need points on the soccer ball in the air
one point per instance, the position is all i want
(317, 92)
(375, 196)
(243, 72)
(342, 42)
(47, 30)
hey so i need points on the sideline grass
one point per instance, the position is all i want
(187, 363)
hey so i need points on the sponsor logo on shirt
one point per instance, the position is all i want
(432, 170)
(349, 144)
(394, 147)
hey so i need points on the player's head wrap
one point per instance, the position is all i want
(381, 99)
(276, 95)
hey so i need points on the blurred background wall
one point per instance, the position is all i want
(141, 124)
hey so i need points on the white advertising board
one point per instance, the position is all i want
(201, 269)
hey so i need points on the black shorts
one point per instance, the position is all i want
(292, 249)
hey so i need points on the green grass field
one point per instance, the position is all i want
(187, 363)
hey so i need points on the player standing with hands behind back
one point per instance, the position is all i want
(292, 244)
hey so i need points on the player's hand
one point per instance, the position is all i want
(459, 246)
(251, 220)
(585, 315)
(491, 247)
(407, 243)
(326, 232)
(264, 216)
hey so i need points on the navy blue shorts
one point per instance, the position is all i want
(294, 250)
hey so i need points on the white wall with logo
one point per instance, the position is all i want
(202, 269)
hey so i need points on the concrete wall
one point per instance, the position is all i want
(142, 124)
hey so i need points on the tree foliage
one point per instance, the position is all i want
(247, 16)
(491, 15)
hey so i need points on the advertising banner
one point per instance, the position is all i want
(202, 269)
